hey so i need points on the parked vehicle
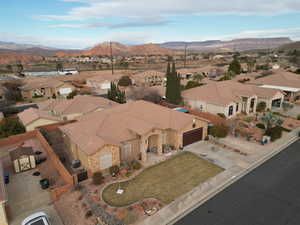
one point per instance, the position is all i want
(39, 218)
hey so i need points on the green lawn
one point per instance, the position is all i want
(165, 181)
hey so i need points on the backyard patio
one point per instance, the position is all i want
(165, 181)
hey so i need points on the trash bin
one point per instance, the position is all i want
(44, 183)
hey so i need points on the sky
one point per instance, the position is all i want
(78, 24)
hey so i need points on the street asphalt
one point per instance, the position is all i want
(270, 195)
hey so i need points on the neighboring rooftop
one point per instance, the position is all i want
(81, 104)
(223, 92)
(30, 115)
(280, 78)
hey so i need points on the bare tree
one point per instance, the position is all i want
(144, 93)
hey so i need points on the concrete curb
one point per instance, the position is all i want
(227, 183)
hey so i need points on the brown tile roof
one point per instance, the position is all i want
(81, 104)
(109, 77)
(41, 83)
(121, 123)
(220, 93)
(280, 78)
(30, 115)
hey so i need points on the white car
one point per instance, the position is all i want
(39, 218)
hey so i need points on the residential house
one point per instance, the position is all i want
(287, 82)
(230, 98)
(131, 131)
(49, 88)
(149, 78)
(55, 110)
(101, 83)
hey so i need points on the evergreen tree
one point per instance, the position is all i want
(173, 90)
(235, 66)
(115, 94)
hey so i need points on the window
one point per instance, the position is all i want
(201, 108)
(237, 107)
(105, 160)
(230, 112)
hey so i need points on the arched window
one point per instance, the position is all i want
(230, 111)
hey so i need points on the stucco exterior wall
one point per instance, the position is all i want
(94, 160)
(3, 219)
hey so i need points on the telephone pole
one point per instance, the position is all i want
(111, 58)
(185, 47)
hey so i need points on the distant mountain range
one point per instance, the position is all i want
(291, 46)
(120, 49)
(9, 51)
(233, 45)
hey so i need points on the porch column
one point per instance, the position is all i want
(160, 143)
(143, 147)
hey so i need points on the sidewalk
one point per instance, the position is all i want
(188, 202)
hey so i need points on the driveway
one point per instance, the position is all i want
(25, 197)
(267, 196)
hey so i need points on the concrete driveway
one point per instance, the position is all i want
(25, 197)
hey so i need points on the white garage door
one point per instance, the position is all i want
(105, 160)
(65, 91)
(105, 85)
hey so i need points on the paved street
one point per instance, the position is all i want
(270, 195)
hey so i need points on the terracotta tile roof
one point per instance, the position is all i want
(106, 78)
(30, 115)
(280, 78)
(122, 123)
(81, 104)
(220, 93)
(41, 83)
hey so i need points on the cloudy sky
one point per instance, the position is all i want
(84, 23)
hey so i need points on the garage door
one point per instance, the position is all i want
(192, 136)
(105, 160)
(65, 91)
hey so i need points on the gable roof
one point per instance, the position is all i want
(121, 123)
(30, 115)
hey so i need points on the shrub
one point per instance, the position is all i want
(192, 84)
(72, 94)
(274, 132)
(298, 117)
(222, 115)
(125, 81)
(10, 126)
(136, 165)
(249, 119)
(114, 170)
(261, 107)
(219, 131)
(98, 178)
(261, 126)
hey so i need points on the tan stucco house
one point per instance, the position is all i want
(230, 98)
(287, 82)
(129, 131)
(49, 87)
(55, 110)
